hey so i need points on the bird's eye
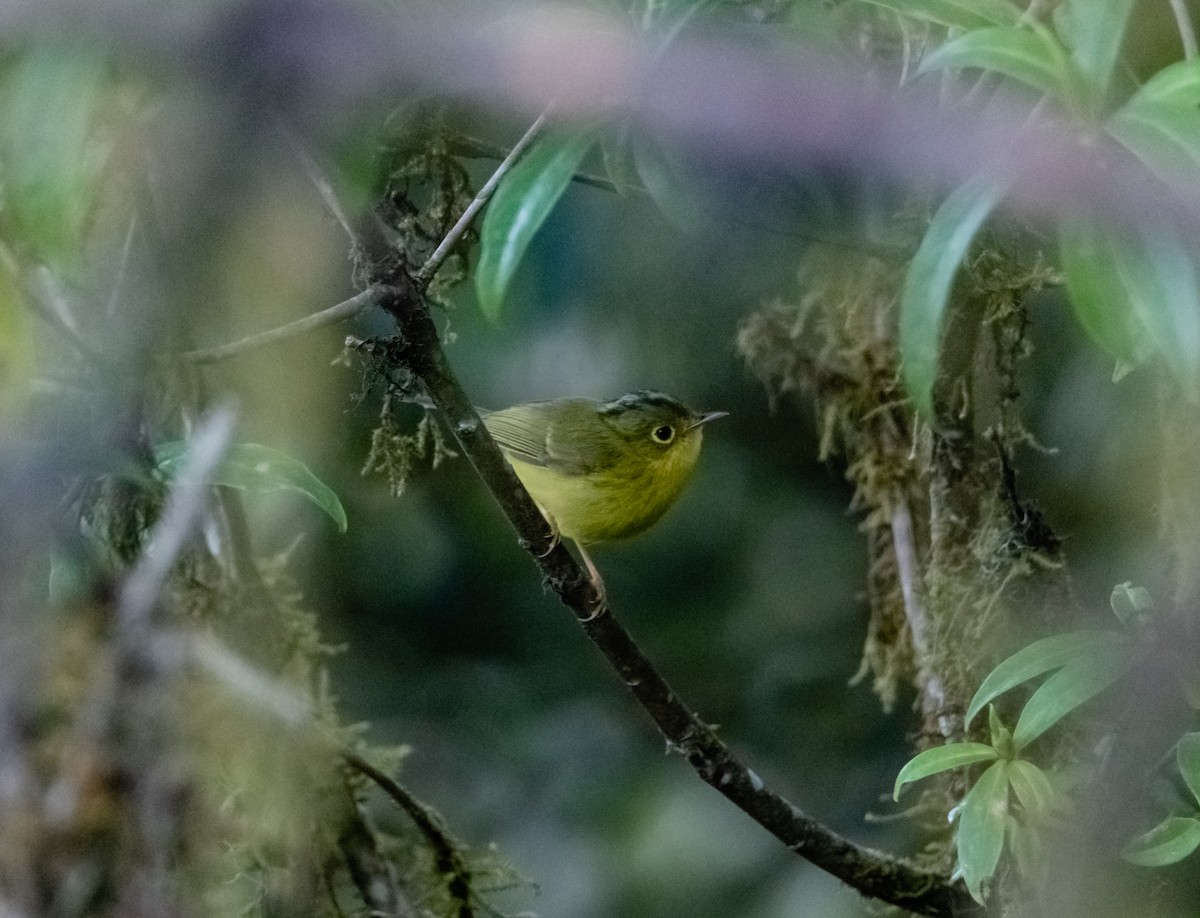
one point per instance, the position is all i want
(664, 434)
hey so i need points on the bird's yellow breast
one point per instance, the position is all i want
(617, 502)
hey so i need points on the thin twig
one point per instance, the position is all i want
(446, 855)
(474, 148)
(933, 691)
(1187, 32)
(321, 181)
(446, 246)
(342, 311)
(180, 518)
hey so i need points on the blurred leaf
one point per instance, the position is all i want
(981, 827)
(520, 206)
(1031, 786)
(1170, 841)
(1187, 755)
(1130, 603)
(50, 160)
(956, 14)
(663, 177)
(1177, 85)
(1158, 271)
(1033, 57)
(1027, 848)
(1077, 682)
(1093, 31)
(617, 156)
(17, 359)
(1041, 657)
(930, 278)
(1166, 138)
(1097, 294)
(259, 470)
(943, 758)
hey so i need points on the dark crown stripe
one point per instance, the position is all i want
(640, 399)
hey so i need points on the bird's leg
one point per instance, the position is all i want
(555, 538)
(597, 582)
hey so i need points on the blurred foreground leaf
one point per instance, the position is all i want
(520, 206)
(259, 470)
(50, 160)
(930, 277)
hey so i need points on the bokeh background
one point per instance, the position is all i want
(748, 596)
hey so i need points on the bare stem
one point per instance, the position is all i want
(321, 181)
(342, 311)
(446, 246)
(180, 518)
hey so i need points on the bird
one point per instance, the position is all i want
(601, 470)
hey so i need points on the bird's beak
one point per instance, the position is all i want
(705, 418)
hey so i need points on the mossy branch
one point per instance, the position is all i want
(872, 873)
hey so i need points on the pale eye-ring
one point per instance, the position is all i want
(664, 434)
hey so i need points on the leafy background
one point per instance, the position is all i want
(748, 596)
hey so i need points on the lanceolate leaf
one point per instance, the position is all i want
(1187, 754)
(259, 470)
(930, 277)
(1031, 786)
(1087, 254)
(943, 758)
(956, 14)
(1093, 31)
(981, 828)
(1067, 689)
(1166, 138)
(1041, 657)
(1158, 271)
(1169, 842)
(1033, 57)
(520, 206)
(1177, 86)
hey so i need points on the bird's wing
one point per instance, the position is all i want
(521, 431)
(526, 434)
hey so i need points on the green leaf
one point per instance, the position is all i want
(1187, 755)
(999, 733)
(1177, 85)
(1158, 271)
(1040, 657)
(1033, 57)
(1130, 603)
(981, 827)
(1067, 689)
(930, 278)
(1170, 841)
(1032, 787)
(259, 470)
(943, 758)
(1087, 253)
(520, 206)
(1093, 30)
(50, 160)
(1028, 850)
(662, 174)
(1165, 138)
(956, 14)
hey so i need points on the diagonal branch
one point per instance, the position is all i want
(872, 873)
(337, 313)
